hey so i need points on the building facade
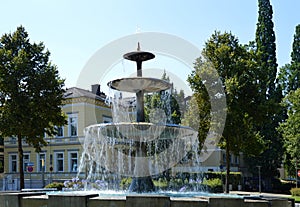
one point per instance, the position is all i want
(1, 155)
(59, 160)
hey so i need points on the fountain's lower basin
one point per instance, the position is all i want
(167, 199)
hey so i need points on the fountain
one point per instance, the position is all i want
(129, 143)
(135, 149)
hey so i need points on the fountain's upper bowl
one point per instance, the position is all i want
(137, 84)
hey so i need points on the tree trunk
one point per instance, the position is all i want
(21, 171)
(227, 169)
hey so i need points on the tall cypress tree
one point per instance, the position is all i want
(296, 46)
(289, 76)
(270, 96)
(266, 47)
(294, 80)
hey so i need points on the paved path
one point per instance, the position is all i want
(259, 194)
(263, 194)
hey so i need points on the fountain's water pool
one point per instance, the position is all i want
(176, 194)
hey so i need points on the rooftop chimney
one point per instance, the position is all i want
(96, 89)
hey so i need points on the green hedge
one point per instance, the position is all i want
(295, 191)
(56, 185)
(213, 185)
(235, 178)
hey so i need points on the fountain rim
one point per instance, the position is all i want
(141, 124)
(148, 84)
(184, 131)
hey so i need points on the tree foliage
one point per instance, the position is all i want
(289, 78)
(270, 96)
(163, 106)
(290, 130)
(266, 47)
(31, 92)
(236, 70)
(198, 115)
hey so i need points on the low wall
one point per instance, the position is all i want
(85, 199)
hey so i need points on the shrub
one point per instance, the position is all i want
(295, 191)
(213, 185)
(125, 183)
(235, 178)
(56, 185)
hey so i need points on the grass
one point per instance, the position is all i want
(297, 198)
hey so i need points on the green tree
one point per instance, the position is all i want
(266, 48)
(180, 98)
(31, 93)
(198, 114)
(236, 70)
(165, 101)
(269, 98)
(290, 130)
(289, 78)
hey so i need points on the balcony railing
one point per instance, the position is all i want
(50, 141)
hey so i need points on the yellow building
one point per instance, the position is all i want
(60, 159)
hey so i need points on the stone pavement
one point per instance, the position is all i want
(244, 193)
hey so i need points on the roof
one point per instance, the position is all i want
(75, 92)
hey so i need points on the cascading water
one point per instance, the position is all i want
(131, 147)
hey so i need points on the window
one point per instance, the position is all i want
(13, 140)
(224, 157)
(13, 163)
(60, 131)
(26, 160)
(73, 161)
(41, 162)
(73, 125)
(59, 162)
(107, 119)
(237, 160)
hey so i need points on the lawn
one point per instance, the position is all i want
(297, 198)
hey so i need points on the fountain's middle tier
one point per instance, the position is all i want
(140, 131)
(137, 84)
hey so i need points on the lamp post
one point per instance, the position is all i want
(43, 172)
(259, 179)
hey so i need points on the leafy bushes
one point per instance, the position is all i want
(57, 185)
(213, 185)
(125, 183)
(295, 191)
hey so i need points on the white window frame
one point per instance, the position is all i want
(63, 131)
(26, 161)
(71, 116)
(56, 161)
(10, 162)
(39, 162)
(70, 167)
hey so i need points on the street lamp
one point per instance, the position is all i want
(259, 179)
(43, 173)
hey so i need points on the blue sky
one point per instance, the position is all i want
(74, 30)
